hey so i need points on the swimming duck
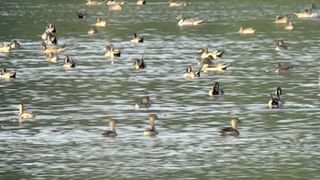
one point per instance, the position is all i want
(215, 90)
(52, 57)
(113, 2)
(214, 67)
(14, 44)
(112, 132)
(138, 64)
(152, 130)
(189, 73)
(308, 13)
(115, 7)
(93, 2)
(7, 74)
(281, 45)
(214, 54)
(231, 131)
(55, 50)
(137, 39)
(283, 68)
(249, 30)
(276, 102)
(289, 26)
(281, 19)
(82, 14)
(144, 103)
(175, 3)
(112, 52)
(23, 114)
(4, 47)
(92, 30)
(68, 62)
(100, 22)
(141, 2)
(188, 22)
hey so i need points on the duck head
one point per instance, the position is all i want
(279, 91)
(109, 47)
(234, 122)
(21, 108)
(241, 29)
(112, 125)
(188, 69)
(181, 17)
(152, 119)
(145, 100)
(67, 59)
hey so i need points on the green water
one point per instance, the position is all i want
(72, 107)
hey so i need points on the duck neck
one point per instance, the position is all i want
(113, 128)
(21, 109)
(152, 127)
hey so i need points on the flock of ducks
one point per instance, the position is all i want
(51, 49)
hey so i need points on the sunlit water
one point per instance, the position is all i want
(72, 107)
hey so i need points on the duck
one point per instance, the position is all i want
(152, 130)
(52, 57)
(112, 132)
(289, 26)
(115, 7)
(249, 30)
(175, 3)
(281, 45)
(4, 73)
(188, 22)
(15, 44)
(215, 90)
(55, 50)
(100, 22)
(308, 13)
(141, 2)
(82, 15)
(137, 39)
(281, 19)
(113, 2)
(68, 62)
(144, 103)
(189, 73)
(4, 48)
(139, 64)
(213, 54)
(92, 30)
(276, 102)
(23, 114)
(214, 67)
(280, 68)
(231, 131)
(112, 52)
(93, 2)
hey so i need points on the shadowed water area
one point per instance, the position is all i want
(73, 106)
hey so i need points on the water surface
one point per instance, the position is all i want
(72, 107)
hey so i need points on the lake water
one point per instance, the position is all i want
(72, 106)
